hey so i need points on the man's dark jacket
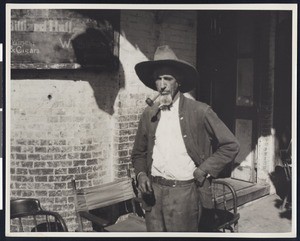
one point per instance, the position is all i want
(208, 141)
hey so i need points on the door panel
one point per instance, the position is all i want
(244, 93)
(226, 57)
(244, 171)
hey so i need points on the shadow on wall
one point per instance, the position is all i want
(105, 84)
(94, 50)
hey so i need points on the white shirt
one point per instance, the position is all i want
(170, 158)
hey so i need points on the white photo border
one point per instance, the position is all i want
(289, 6)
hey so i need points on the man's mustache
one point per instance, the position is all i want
(151, 101)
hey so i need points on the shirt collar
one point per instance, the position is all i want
(175, 104)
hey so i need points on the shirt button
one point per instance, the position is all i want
(181, 118)
(184, 136)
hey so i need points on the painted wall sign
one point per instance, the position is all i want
(54, 39)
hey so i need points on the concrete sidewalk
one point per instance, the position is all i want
(265, 216)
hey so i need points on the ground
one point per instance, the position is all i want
(265, 216)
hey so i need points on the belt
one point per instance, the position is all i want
(169, 182)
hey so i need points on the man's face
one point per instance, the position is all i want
(165, 77)
(167, 84)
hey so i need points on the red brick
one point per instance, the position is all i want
(92, 162)
(60, 156)
(84, 183)
(39, 164)
(80, 176)
(61, 200)
(60, 185)
(124, 160)
(33, 142)
(79, 163)
(41, 178)
(73, 170)
(15, 149)
(21, 171)
(85, 155)
(133, 125)
(46, 156)
(34, 157)
(79, 148)
(21, 142)
(54, 149)
(91, 148)
(27, 149)
(92, 175)
(46, 142)
(86, 169)
(123, 153)
(124, 146)
(60, 142)
(59, 207)
(40, 149)
(41, 193)
(55, 193)
(21, 156)
(61, 171)
(43, 186)
(27, 193)
(128, 132)
(123, 139)
(20, 185)
(66, 149)
(71, 200)
(73, 155)
(132, 138)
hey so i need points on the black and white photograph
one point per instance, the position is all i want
(151, 120)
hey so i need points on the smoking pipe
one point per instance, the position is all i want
(150, 102)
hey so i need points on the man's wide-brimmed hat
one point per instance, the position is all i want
(164, 56)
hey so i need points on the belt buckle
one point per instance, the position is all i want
(174, 184)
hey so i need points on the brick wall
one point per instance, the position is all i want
(58, 133)
(81, 124)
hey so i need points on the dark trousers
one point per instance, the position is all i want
(176, 209)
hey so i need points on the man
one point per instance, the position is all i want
(180, 144)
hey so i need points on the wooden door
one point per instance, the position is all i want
(226, 59)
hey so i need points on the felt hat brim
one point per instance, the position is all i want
(145, 70)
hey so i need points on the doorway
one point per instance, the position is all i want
(228, 53)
